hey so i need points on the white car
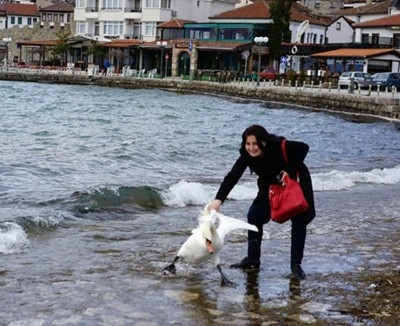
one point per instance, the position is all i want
(361, 79)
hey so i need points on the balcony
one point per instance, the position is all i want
(92, 13)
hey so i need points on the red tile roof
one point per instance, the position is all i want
(393, 20)
(253, 11)
(209, 45)
(175, 23)
(58, 7)
(37, 42)
(260, 10)
(355, 53)
(20, 9)
(374, 8)
(121, 43)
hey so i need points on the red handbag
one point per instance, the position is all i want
(286, 199)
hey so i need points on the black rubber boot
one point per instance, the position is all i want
(246, 263)
(253, 256)
(297, 272)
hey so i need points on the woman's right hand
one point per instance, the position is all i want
(214, 205)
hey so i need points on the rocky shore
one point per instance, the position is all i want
(361, 105)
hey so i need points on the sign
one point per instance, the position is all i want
(245, 54)
(166, 56)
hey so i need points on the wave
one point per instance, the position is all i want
(192, 193)
(340, 180)
(111, 198)
(12, 238)
(118, 202)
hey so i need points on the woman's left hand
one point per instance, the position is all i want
(283, 175)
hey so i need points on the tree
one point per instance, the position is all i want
(96, 50)
(279, 32)
(62, 46)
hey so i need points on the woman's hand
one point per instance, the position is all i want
(214, 205)
(283, 175)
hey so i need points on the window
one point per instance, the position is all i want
(365, 38)
(166, 4)
(112, 4)
(55, 17)
(80, 3)
(29, 21)
(338, 26)
(396, 40)
(44, 17)
(204, 33)
(150, 29)
(19, 20)
(68, 18)
(61, 18)
(113, 28)
(80, 27)
(375, 38)
(136, 30)
(321, 39)
(152, 3)
(50, 17)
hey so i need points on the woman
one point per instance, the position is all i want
(261, 152)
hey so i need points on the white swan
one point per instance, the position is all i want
(207, 241)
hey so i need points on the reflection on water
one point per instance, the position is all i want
(294, 288)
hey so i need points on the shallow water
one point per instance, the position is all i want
(100, 187)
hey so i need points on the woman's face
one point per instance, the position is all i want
(252, 146)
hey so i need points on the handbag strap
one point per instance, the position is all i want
(285, 157)
(283, 145)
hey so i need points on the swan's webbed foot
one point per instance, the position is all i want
(224, 280)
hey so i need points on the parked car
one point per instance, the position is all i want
(385, 80)
(361, 79)
(268, 74)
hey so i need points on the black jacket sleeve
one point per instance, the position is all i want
(232, 178)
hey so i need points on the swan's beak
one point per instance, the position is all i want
(209, 246)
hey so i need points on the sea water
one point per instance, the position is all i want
(100, 186)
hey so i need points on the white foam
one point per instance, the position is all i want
(187, 193)
(12, 238)
(339, 180)
(193, 193)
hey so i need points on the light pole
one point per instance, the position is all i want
(260, 41)
(162, 45)
(7, 41)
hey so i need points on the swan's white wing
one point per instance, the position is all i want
(228, 224)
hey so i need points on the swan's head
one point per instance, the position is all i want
(207, 230)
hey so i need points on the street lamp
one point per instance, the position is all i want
(260, 41)
(7, 41)
(162, 45)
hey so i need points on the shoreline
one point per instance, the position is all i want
(360, 106)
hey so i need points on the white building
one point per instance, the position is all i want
(340, 31)
(138, 19)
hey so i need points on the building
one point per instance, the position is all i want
(136, 19)
(17, 14)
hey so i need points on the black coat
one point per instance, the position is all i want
(268, 166)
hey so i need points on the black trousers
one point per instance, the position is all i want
(259, 214)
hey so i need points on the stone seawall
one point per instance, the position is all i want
(361, 105)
